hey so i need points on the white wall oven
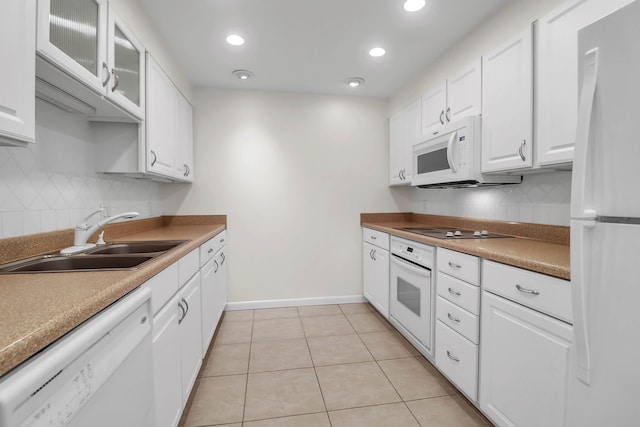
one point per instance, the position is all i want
(411, 305)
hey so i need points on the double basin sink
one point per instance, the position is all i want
(113, 256)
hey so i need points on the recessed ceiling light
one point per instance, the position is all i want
(235, 40)
(355, 81)
(413, 5)
(242, 74)
(377, 51)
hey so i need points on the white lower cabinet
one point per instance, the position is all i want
(524, 355)
(375, 270)
(190, 335)
(177, 336)
(214, 290)
(167, 370)
(457, 307)
(457, 358)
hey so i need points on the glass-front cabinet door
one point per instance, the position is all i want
(87, 40)
(72, 34)
(126, 57)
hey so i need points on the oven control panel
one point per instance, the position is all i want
(415, 252)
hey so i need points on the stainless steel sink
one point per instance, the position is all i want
(136, 247)
(77, 263)
(113, 256)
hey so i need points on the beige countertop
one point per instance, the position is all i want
(540, 248)
(37, 309)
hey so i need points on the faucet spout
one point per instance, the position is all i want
(83, 231)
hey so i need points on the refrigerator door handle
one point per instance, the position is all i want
(581, 154)
(580, 286)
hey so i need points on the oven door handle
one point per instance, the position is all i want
(450, 157)
(407, 266)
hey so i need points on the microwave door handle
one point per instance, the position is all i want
(450, 158)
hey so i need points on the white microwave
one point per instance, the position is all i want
(452, 159)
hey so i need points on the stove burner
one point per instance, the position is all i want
(451, 233)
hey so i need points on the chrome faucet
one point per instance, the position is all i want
(83, 231)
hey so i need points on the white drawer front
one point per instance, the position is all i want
(163, 285)
(376, 237)
(547, 294)
(457, 357)
(187, 266)
(458, 292)
(209, 249)
(462, 266)
(459, 320)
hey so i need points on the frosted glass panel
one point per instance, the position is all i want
(73, 26)
(127, 65)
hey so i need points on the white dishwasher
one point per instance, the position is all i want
(98, 375)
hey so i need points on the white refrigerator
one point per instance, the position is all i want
(604, 385)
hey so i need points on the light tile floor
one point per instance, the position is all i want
(320, 366)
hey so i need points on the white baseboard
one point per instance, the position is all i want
(277, 303)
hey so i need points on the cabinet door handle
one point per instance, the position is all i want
(186, 304)
(371, 254)
(452, 265)
(184, 312)
(223, 258)
(527, 291)
(155, 158)
(442, 117)
(448, 115)
(374, 255)
(116, 79)
(217, 266)
(452, 357)
(456, 293)
(521, 150)
(453, 319)
(106, 81)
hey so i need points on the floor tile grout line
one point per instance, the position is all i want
(246, 384)
(315, 372)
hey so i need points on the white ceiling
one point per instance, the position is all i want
(312, 46)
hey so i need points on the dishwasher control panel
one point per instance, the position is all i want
(69, 399)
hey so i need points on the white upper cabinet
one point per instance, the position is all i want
(169, 127)
(160, 156)
(183, 136)
(464, 93)
(458, 97)
(404, 131)
(557, 76)
(126, 57)
(89, 42)
(507, 104)
(434, 105)
(396, 143)
(17, 87)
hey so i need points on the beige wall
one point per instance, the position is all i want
(293, 172)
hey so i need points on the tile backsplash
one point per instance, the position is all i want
(52, 184)
(542, 198)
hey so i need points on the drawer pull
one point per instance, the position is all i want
(456, 293)
(453, 319)
(527, 291)
(210, 250)
(373, 237)
(452, 357)
(452, 265)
